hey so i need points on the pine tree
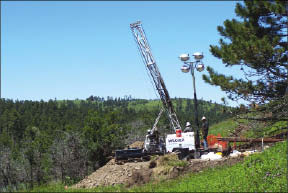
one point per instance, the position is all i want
(257, 43)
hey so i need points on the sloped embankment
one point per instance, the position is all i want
(260, 172)
(137, 173)
(112, 174)
(159, 168)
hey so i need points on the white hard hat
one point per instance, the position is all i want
(203, 118)
(188, 124)
(148, 131)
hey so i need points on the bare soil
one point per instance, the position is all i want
(198, 165)
(138, 173)
(137, 144)
(112, 174)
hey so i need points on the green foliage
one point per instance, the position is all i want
(102, 135)
(258, 173)
(276, 128)
(258, 43)
(59, 187)
(5, 140)
(60, 140)
(223, 128)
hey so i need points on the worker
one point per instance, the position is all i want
(147, 140)
(148, 133)
(188, 128)
(154, 135)
(204, 130)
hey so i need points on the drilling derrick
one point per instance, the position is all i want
(150, 63)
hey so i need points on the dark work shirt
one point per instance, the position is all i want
(187, 129)
(205, 127)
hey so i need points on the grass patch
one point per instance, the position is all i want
(59, 187)
(261, 172)
(223, 128)
(276, 128)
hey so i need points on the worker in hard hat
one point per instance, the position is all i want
(188, 128)
(147, 140)
(148, 132)
(204, 130)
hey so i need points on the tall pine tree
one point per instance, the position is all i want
(257, 43)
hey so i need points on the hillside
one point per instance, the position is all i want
(259, 172)
(67, 140)
(229, 174)
(220, 175)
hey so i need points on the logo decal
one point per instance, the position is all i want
(175, 140)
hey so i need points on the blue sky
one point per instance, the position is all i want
(69, 50)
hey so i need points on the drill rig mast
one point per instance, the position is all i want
(153, 145)
(150, 63)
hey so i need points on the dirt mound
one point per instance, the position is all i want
(129, 173)
(167, 159)
(168, 166)
(139, 177)
(159, 168)
(137, 144)
(112, 174)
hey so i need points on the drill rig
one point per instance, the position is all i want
(150, 63)
(153, 144)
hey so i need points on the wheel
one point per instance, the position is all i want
(197, 155)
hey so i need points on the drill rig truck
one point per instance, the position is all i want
(183, 143)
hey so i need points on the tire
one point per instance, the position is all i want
(197, 155)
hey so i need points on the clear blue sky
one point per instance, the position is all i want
(69, 50)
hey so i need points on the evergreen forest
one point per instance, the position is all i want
(66, 140)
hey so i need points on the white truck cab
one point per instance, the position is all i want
(186, 140)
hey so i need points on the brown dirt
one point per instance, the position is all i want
(139, 173)
(112, 174)
(139, 177)
(197, 165)
(137, 144)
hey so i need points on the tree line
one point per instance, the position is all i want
(66, 140)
